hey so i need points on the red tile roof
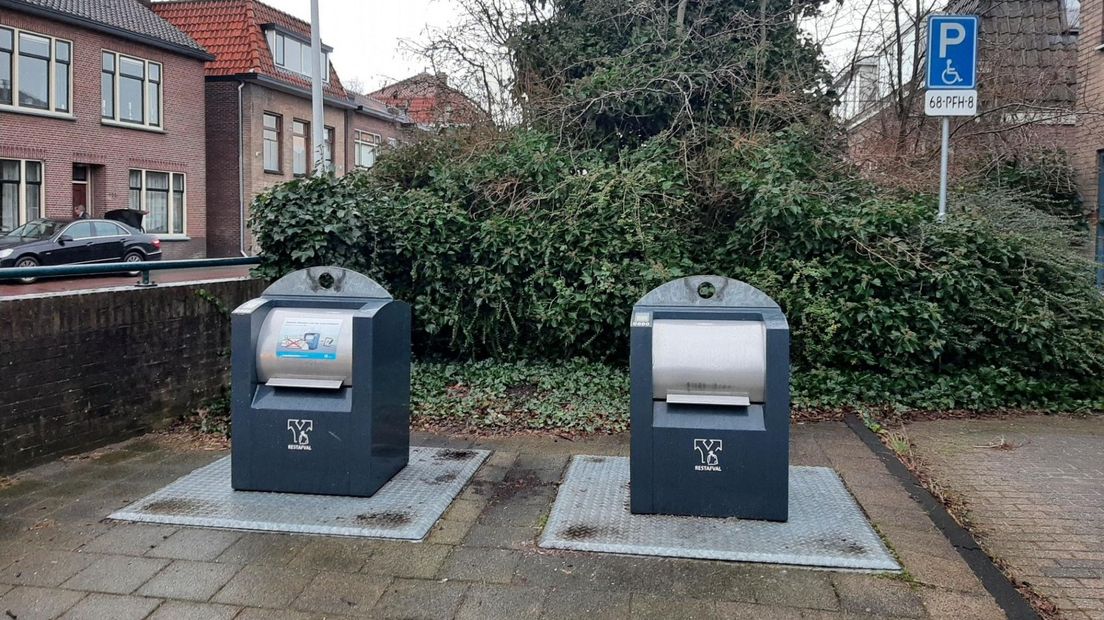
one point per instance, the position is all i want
(231, 30)
(429, 100)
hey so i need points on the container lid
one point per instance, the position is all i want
(707, 291)
(330, 281)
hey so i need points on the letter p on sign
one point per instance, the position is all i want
(951, 34)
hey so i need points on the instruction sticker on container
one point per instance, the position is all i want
(309, 338)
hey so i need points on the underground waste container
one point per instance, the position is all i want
(320, 385)
(710, 401)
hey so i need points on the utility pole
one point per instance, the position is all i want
(318, 132)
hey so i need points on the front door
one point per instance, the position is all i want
(82, 191)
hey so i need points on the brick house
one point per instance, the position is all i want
(258, 104)
(97, 109)
(430, 102)
(1088, 149)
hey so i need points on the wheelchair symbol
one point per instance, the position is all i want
(950, 74)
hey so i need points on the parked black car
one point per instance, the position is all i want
(50, 242)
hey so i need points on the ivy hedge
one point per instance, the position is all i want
(514, 246)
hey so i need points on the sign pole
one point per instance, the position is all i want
(943, 168)
(951, 81)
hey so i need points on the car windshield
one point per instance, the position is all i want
(38, 229)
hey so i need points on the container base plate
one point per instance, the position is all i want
(405, 508)
(826, 527)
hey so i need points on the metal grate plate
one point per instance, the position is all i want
(826, 527)
(405, 508)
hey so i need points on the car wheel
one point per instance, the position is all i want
(27, 261)
(133, 257)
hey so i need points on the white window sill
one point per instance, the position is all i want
(33, 112)
(109, 122)
(172, 237)
(1099, 48)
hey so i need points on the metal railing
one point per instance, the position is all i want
(16, 273)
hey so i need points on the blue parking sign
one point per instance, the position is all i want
(952, 52)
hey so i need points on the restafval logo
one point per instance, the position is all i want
(300, 439)
(707, 450)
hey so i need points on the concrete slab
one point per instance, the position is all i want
(826, 527)
(179, 610)
(341, 593)
(189, 581)
(414, 599)
(116, 574)
(405, 508)
(500, 602)
(114, 606)
(31, 602)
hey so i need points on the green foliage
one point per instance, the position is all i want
(655, 146)
(573, 395)
(1045, 180)
(887, 306)
(615, 74)
(521, 250)
(515, 247)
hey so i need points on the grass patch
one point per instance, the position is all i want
(573, 395)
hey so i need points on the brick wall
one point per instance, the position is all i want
(80, 370)
(223, 142)
(256, 100)
(113, 151)
(363, 122)
(1090, 76)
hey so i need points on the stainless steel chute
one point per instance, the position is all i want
(306, 348)
(709, 362)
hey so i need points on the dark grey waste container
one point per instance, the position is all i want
(320, 385)
(710, 401)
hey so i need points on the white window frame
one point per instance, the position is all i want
(366, 138)
(308, 148)
(144, 206)
(116, 117)
(51, 83)
(279, 130)
(329, 139)
(21, 210)
(271, 35)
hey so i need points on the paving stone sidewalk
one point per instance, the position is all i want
(59, 558)
(1034, 491)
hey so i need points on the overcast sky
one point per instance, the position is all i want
(365, 34)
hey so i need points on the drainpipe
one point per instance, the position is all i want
(241, 174)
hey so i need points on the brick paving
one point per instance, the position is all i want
(58, 558)
(88, 283)
(1034, 491)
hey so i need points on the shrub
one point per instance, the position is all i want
(517, 253)
(515, 247)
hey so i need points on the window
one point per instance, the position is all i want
(271, 150)
(328, 149)
(161, 195)
(1071, 16)
(365, 147)
(108, 229)
(34, 72)
(20, 192)
(130, 90)
(294, 54)
(300, 147)
(80, 230)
